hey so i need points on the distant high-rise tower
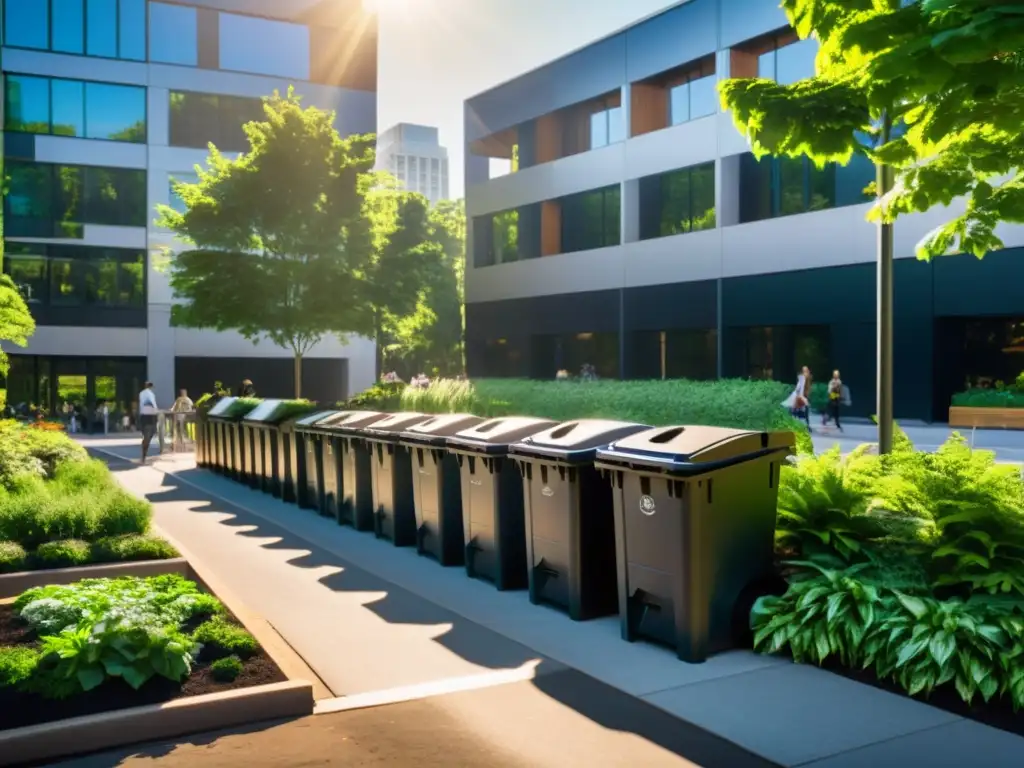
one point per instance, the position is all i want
(413, 154)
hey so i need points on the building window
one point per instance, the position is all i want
(591, 219)
(47, 200)
(606, 125)
(198, 119)
(173, 34)
(264, 46)
(111, 29)
(677, 202)
(773, 187)
(174, 198)
(787, 60)
(695, 98)
(62, 275)
(505, 237)
(85, 110)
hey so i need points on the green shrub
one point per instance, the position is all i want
(17, 663)
(991, 398)
(227, 669)
(99, 629)
(725, 403)
(62, 554)
(120, 513)
(34, 451)
(240, 407)
(219, 638)
(132, 548)
(379, 397)
(92, 475)
(291, 409)
(13, 557)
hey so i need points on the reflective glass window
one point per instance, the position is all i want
(132, 30)
(101, 28)
(27, 23)
(29, 274)
(173, 37)
(264, 46)
(702, 197)
(791, 185)
(175, 200)
(616, 125)
(766, 65)
(115, 112)
(679, 104)
(795, 61)
(703, 96)
(68, 99)
(68, 26)
(28, 204)
(27, 106)
(598, 129)
(115, 196)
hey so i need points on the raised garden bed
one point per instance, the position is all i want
(38, 686)
(964, 417)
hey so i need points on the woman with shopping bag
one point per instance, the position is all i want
(799, 400)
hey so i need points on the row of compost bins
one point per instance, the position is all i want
(670, 527)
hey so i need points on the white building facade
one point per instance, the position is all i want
(414, 155)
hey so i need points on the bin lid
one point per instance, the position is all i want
(313, 418)
(496, 435)
(575, 441)
(393, 426)
(263, 411)
(221, 407)
(691, 449)
(437, 429)
(348, 422)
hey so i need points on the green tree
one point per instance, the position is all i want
(949, 74)
(280, 249)
(404, 259)
(430, 339)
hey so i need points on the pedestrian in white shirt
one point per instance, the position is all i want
(148, 412)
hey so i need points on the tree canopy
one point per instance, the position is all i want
(949, 74)
(280, 246)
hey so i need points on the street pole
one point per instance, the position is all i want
(885, 303)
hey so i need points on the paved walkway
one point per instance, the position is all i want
(370, 618)
(1008, 444)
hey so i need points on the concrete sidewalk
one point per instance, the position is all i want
(370, 619)
(1008, 444)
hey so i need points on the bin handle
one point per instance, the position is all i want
(471, 549)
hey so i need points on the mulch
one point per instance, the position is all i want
(18, 709)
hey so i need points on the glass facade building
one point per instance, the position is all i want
(616, 217)
(106, 105)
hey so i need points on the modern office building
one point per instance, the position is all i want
(106, 102)
(414, 155)
(638, 233)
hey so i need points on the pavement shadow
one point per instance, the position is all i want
(600, 703)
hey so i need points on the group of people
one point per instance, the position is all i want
(799, 401)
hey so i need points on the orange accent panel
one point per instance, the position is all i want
(648, 108)
(742, 63)
(550, 228)
(549, 138)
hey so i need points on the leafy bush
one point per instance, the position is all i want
(221, 638)
(240, 407)
(725, 403)
(226, 670)
(132, 548)
(120, 513)
(97, 629)
(379, 397)
(990, 398)
(24, 450)
(17, 663)
(62, 554)
(291, 409)
(13, 557)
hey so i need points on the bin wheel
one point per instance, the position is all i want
(743, 635)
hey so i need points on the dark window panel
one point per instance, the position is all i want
(677, 202)
(198, 119)
(702, 197)
(173, 34)
(115, 112)
(591, 219)
(28, 204)
(27, 24)
(264, 46)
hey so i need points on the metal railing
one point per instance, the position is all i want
(176, 429)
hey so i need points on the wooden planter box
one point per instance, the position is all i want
(986, 418)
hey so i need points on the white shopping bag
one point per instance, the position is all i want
(790, 402)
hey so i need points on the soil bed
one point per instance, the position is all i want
(19, 709)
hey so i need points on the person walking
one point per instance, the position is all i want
(148, 414)
(835, 398)
(802, 396)
(182, 406)
(246, 389)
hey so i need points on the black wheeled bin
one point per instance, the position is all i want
(570, 521)
(254, 427)
(492, 498)
(311, 441)
(352, 467)
(218, 435)
(437, 487)
(394, 514)
(694, 529)
(290, 472)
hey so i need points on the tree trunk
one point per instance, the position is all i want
(298, 375)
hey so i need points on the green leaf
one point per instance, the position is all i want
(942, 645)
(90, 677)
(914, 605)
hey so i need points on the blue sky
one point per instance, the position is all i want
(436, 53)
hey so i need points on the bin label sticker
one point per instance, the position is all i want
(547, 491)
(476, 482)
(647, 505)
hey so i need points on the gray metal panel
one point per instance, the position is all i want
(583, 75)
(746, 19)
(675, 37)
